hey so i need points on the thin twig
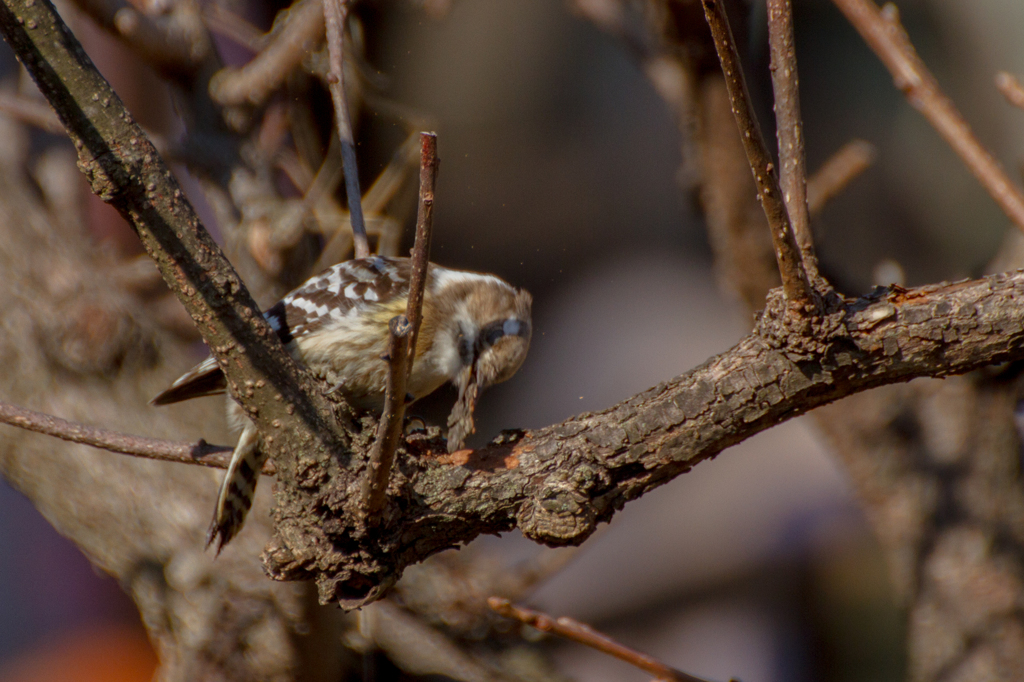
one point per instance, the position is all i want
(1011, 88)
(335, 12)
(584, 634)
(883, 32)
(294, 35)
(794, 277)
(202, 453)
(789, 128)
(382, 454)
(424, 225)
(402, 345)
(337, 229)
(852, 159)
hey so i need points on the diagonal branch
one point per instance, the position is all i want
(839, 170)
(884, 34)
(557, 483)
(578, 632)
(382, 454)
(794, 277)
(125, 170)
(1011, 88)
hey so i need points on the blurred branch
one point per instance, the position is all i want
(584, 634)
(838, 171)
(789, 129)
(228, 24)
(419, 649)
(402, 345)
(297, 31)
(175, 44)
(885, 35)
(1011, 88)
(335, 12)
(31, 111)
(794, 277)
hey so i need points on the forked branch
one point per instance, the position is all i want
(795, 281)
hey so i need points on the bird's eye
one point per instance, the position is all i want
(492, 333)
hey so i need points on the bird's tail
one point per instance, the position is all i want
(238, 489)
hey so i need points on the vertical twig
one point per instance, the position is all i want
(402, 345)
(382, 454)
(789, 128)
(335, 12)
(424, 224)
(794, 277)
(883, 32)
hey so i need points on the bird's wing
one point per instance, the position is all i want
(203, 379)
(347, 288)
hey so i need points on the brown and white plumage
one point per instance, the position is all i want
(475, 332)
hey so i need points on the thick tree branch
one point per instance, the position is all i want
(555, 484)
(884, 34)
(794, 277)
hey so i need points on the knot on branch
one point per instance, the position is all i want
(799, 333)
(561, 514)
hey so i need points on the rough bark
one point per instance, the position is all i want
(556, 484)
(935, 464)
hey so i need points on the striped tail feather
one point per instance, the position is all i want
(238, 488)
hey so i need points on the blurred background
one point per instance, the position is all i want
(562, 172)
